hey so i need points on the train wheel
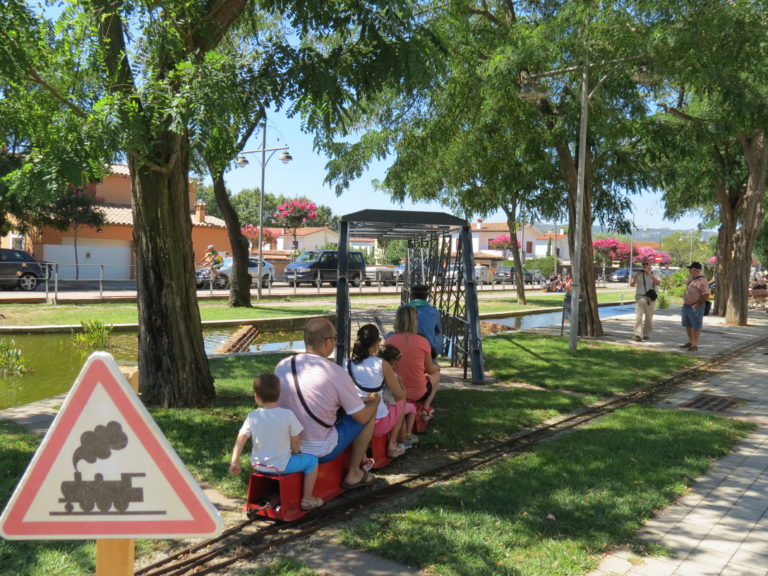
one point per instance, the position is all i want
(121, 505)
(104, 503)
(86, 504)
(69, 507)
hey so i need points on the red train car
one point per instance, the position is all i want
(278, 496)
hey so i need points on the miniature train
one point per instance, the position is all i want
(100, 493)
(278, 496)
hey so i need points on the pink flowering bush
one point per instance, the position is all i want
(653, 255)
(294, 214)
(251, 232)
(502, 242)
(611, 249)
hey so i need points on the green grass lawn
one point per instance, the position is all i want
(606, 464)
(596, 368)
(126, 313)
(121, 313)
(553, 511)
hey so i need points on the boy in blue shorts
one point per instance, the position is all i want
(274, 434)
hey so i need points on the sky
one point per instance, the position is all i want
(305, 174)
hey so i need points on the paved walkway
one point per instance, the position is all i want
(720, 528)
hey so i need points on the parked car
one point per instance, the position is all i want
(380, 274)
(507, 274)
(399, 272)
(482, 274)
(225, 272)
(19, 270)
(318, 266)
(621, 275)
(536, 276)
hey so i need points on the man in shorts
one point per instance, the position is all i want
(315, 388)
(696, 294)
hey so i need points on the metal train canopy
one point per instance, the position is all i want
(400, 224)
(412, 226)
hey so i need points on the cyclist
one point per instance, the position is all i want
(213, 260)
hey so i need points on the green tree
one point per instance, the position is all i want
(469, 140)
(133, 72)
(711, 144)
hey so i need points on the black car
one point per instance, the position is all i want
(507, 274)
(619, 275)
(318, 266)
(19, 270)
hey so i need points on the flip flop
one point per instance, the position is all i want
(397, 452)
(311, 503)
(366, 480)
(367, 464)
(427, 413)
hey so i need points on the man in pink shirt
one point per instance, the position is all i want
(695, 295)
(315, 388)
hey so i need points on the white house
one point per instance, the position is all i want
(309, 238)
(483, 232)
(556, 241)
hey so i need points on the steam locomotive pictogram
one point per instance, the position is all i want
(100, 493)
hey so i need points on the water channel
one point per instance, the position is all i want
(55, 362)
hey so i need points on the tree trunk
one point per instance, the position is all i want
(173, 367)
(239, 282)
(723, 251)
(750, 211)
(587, 273)
(511, 211)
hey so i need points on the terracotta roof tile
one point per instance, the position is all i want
(120, 170)
(121, 215)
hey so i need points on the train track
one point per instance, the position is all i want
(252, 538)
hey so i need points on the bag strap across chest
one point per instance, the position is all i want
(363, 388)
(301, 396)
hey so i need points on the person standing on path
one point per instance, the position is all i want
(696, 294)
(644, 281)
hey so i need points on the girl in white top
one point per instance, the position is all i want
(371, 374)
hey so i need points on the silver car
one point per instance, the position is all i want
(222, 280)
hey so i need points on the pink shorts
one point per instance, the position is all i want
(384, 425)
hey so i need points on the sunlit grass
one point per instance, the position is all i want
(596, 368)
(553, 511)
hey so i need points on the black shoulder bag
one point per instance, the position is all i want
(651, 294)
(339, 413)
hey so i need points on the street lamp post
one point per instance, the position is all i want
(576, 264)
(284, 157)
(631, 241)
(690, 255)
(531, 93)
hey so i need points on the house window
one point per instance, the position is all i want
(17, 242)
(529, 247)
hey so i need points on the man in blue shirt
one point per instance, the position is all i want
(430, 323)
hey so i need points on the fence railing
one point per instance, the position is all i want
(102, 278)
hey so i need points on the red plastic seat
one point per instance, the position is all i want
(278, 496)
(378, 451)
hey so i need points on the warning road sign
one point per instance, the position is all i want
(105, 470)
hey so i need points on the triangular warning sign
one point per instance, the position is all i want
(105, 470)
